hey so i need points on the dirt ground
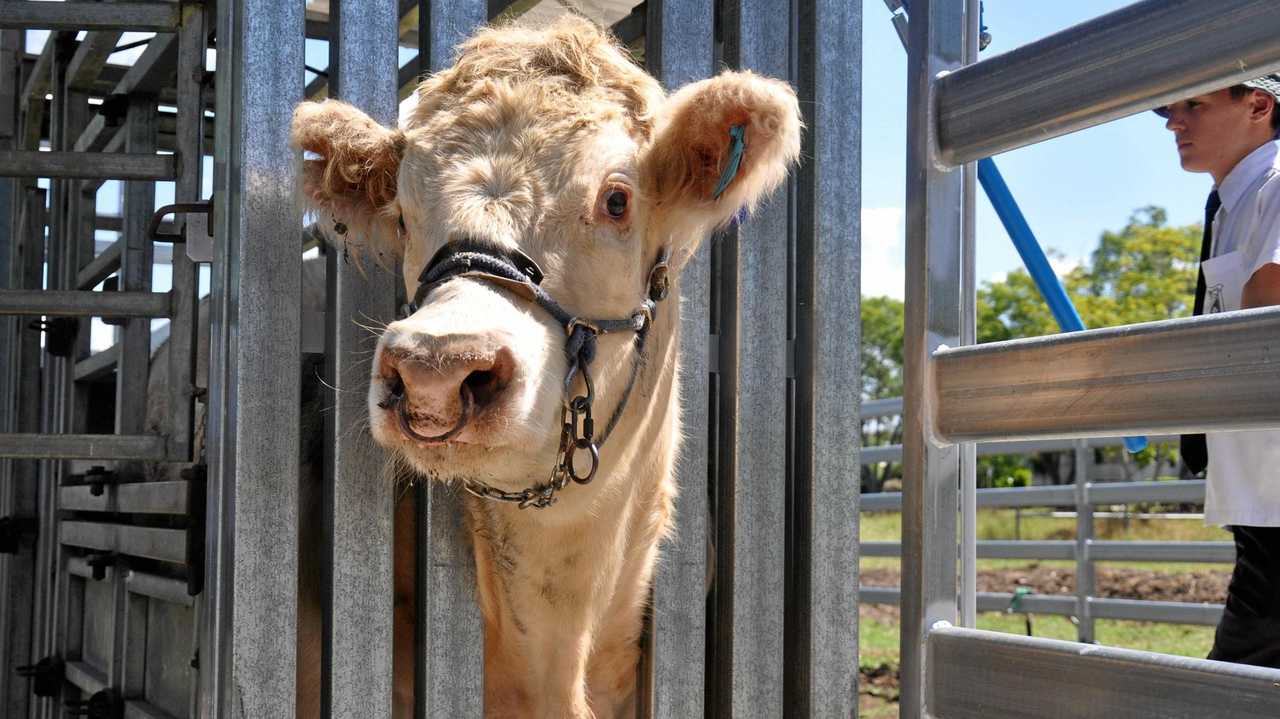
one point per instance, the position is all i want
(878, 686)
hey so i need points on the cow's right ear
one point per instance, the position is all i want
(349, 176)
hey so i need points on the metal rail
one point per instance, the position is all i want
(969, 670)
(127, 16)
(1142, 56)
(88, 166)
(1219, 372)
(74, 303)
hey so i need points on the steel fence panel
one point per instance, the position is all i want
(822, 623)
(1147, 54)
(450, 680)
(248, 631)
(751, 505)
(678, 49)
(1065, 679)
(358, 498)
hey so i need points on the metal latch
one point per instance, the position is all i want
(97, 478)
(197, 231)
(46, 676)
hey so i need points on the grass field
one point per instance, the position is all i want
(878, 629)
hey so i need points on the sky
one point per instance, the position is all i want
(1070, 188)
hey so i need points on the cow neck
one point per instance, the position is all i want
(516, 271)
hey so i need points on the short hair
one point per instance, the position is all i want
(1238, 92)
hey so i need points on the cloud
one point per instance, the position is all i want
(1062, 265)
(883, 251)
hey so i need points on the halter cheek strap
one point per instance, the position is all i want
(516, 271)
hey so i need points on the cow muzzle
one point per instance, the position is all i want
(436, 398)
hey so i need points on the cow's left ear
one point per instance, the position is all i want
(692, 166)
(351, 175)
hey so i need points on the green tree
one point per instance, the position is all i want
(1143, 272)
(882, 322)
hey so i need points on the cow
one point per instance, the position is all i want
(542, 199)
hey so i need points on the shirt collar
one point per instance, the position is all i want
(1248, 169)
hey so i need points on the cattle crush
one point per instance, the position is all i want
(153, 503)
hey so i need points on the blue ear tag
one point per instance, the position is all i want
(736, 134)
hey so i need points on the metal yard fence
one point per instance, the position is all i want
(1084, 550)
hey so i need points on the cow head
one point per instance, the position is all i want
(554, 144)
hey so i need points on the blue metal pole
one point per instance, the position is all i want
(1033, 258)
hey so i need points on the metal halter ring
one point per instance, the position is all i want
(397, 403)
(578, 445)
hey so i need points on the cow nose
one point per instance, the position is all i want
(436, 397)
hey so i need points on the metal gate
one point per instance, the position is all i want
(1216, 372)
(173, 592)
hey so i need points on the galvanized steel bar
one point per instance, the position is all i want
(450, 657)
(189, 141)
(751, 513)
(1085, 582)
(893, 452)
(87, 165)
(1219, 372)
(1145, 55)
(1135, 551)
(18, 492)
(678, 49)
(28, 269)
(142, 447)
(1065, 679)
(134, 354)
(249, 614)
(72, 303)
(358, 498)
(1189, 490)
(1145, 611)
(129, 16)
(931, 472)
(994, 549)
(969, 335)
(822, 609)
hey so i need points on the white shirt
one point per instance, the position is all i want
(1243, 479)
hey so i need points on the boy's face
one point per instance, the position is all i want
(1214, 131)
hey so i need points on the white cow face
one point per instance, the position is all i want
(552, 144)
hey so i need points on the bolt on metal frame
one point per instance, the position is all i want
(1142, 56)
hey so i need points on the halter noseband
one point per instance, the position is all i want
(516, 271)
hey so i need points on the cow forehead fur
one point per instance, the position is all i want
(569, 74)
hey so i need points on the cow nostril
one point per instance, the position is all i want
(395, 391)
(484, 385)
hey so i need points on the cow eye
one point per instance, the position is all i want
(615, 203)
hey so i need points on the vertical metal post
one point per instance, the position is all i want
(969, 335)
(248, 627)
(1084, 535)
(64, 119)
(189, 141)
(136, 257)
(752, 488)
(29, 267)
(28, 578)
(17, 571)
(822, 609)
(678, 49)
(358, 497)
(450, 657)
(931, 472)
